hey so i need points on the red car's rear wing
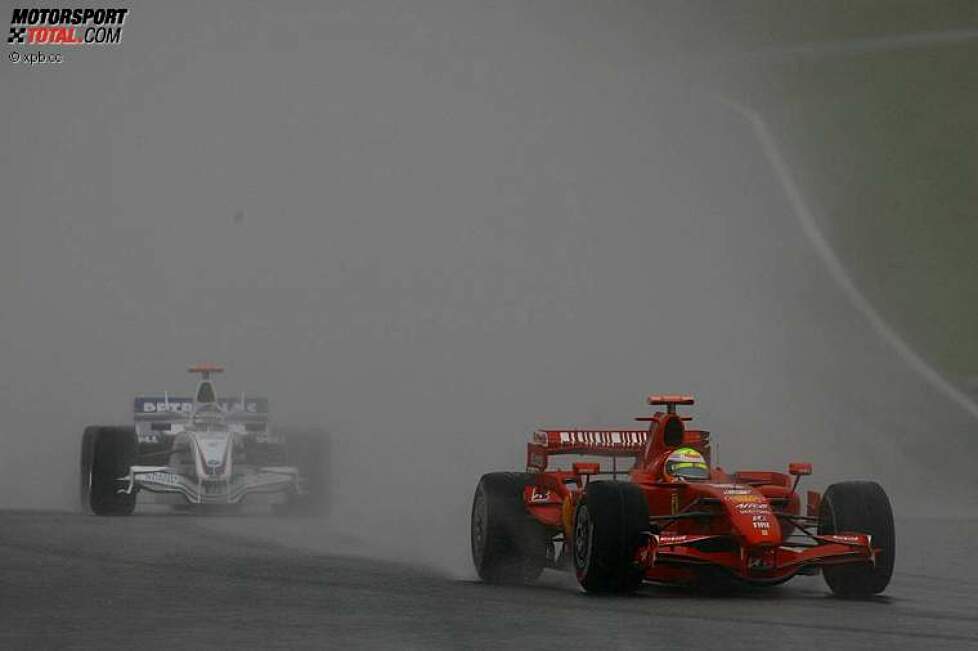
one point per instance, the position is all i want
(597, 442)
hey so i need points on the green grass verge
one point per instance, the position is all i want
(885, 148)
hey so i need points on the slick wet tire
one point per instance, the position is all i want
(85, 468)
(107, 454)
(508, 545)
(859, 507)
(609, 524)
(307, 449)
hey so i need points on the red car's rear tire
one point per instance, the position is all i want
(609, 523)
(508, 545)
(859, 507)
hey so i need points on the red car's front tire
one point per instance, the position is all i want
(859, 507)
(609, 524)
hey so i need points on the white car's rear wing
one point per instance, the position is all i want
(168, 408)
(162, 407)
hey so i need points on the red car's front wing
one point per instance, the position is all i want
(663, 554)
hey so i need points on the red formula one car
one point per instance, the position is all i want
(673, 517)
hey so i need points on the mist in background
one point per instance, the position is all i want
(430, 228)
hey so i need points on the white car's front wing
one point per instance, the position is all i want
(162, 479)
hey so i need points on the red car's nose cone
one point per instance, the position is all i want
(750, 514)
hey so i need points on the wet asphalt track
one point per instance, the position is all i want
(163, 581)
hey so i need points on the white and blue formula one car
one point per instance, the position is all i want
(202, 451)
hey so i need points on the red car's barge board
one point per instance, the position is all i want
(659, 510)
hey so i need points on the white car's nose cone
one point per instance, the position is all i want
(214, 451)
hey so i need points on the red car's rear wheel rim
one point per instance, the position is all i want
(479, 518)
(583, 533)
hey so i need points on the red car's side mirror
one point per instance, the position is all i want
(799, 468)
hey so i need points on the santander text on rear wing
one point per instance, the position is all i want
(596, 442)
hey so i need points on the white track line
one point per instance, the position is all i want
(835, 266)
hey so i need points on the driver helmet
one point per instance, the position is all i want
(686, 463)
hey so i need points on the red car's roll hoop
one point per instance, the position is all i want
(670, 401)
